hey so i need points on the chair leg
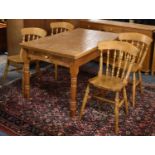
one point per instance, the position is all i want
(6, 71)
(126, 100)
(84, 101)
(140, 80)
(117, 113)
(37, 68)
(56, 71)
(16, 65)
(134, 89)
(23, 91)
(18, 68)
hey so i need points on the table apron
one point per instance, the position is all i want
(87, 58)
(66, 62)
(62, 61)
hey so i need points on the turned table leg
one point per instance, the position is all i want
(73, 91)
(26, 76)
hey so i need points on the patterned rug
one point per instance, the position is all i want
(47, 111)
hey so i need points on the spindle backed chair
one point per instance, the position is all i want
(112, 78)
(27, 35)
(59, 27)
(142, 42)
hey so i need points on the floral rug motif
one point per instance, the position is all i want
(47, 110)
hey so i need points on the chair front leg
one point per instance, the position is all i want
(23, 84)
(134, 89)
(125, 100)
(37, 68)
(140, 81)
(84, 100)
(6, 70)
(56, 71)
(117, 113)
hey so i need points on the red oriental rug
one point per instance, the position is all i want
(47, 111)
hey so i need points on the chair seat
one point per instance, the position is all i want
(107, 82)
(15, 58)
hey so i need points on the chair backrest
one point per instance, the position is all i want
(58, 27)
(32, 33)
(120, 53)
(141, 41)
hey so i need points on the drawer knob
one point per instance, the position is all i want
(46, 57)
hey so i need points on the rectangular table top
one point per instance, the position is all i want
(72, 44)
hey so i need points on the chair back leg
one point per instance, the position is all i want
(37, 68)
(6, 71)
(140, 81)
(134, 89)
(84, 101)
(56, 71)
(125, 100)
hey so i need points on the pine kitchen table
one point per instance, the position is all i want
(70, 49)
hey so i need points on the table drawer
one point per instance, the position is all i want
(50, 58)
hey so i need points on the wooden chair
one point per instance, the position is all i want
(59, 27)
(142, 42)
(113, 78)
(27, 35)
